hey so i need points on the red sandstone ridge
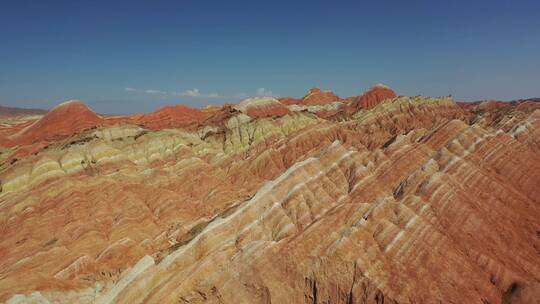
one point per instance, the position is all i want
(488, 105)
(74, 116)
(373, 97)
(395, 204)
(64, 120)
(262, 107)
(316, 96)
(218, 115)
(171, 117)
(289, 100)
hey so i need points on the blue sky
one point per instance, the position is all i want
(134, 56)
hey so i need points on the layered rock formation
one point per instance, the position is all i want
(66, 119)
(373, 97)
(262, 107)
(316, 96)
(169, 117)
(324, 104)
(407, 200)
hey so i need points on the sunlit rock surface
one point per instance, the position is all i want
(373, 97)
(262, 107)
(65, 119)
(405, 200)
(316, 96)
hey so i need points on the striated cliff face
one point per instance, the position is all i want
(409, 200)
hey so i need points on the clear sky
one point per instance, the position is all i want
(131, 56)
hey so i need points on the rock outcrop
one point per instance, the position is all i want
(409, 200)
(170, 117)
(262, 107)
(66, 119)
(324, 104)
(316, 96)
(373, 97)
(289, 100)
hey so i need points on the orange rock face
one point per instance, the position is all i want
(289, 101)
(171, 117)
(262, 107)
(267, 111)
(66, 119)
(73, 117)
(373, 97)
(316, 96)
(411, 200)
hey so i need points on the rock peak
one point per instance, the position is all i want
(380, 85)
(314, 90)
(70, 102)
(63, 120)
(372, 97)
(316, 96)
(174, 116)
(262, 107)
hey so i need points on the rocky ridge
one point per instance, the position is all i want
(373, 97)
(405, 200)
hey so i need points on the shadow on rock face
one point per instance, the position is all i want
(518, 293)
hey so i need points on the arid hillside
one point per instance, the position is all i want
(376, 198)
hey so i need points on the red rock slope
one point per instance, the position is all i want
(170, 117)
(66, 119)
(373, 96)
(316, 96)
(414, 200)
(262, 107)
